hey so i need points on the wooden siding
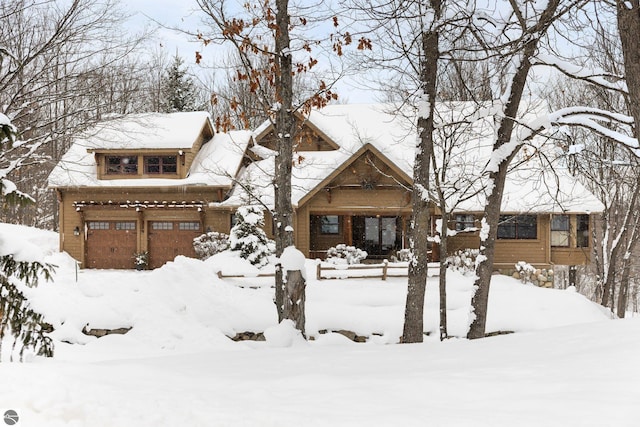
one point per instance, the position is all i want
(388, 201)
(306, 140)
(535, 251)
(183, 164)
(571, 256)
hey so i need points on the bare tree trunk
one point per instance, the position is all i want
(443, 272)
(629, 29)
(294, 304)
(420, 222)
(480, 300)
(283, 215)
(623, 292)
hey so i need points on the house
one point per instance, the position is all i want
(153, 182)
(143, 183)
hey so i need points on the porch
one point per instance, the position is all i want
(381, 236)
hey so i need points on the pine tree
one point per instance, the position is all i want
(179, 92)
(248, 237)
(21, 328)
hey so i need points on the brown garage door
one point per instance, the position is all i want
(110, 244)
(168, 239)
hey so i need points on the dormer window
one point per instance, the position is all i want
(160, 165)
(122, 165)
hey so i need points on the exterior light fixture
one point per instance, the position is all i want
(76, 231)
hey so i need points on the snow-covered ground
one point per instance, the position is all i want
(567, 364)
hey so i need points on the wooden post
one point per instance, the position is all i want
(318, 270)
(385, 265)
(572, 275)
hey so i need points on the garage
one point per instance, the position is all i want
(110, 244)
(168, 239)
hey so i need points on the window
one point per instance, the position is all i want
(329, 224)
(582, 231)
(160, 165)
(128, 225)
(192, 226)
(122, 165)
(98, 225)
(518, 227)
(162, 225)
(560, 230)
(464, 221)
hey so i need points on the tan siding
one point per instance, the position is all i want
(306, 140)
(218, 220)
(302, 230)
(69, 220)
(344, 200)
(570, 256)
(535, 251)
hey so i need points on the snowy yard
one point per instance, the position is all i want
(566, 365)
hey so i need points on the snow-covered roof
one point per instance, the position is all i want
(146, 131)
(531, 187)
(214, 165)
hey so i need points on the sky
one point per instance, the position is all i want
(170, 13)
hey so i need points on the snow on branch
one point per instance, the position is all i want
(595, 76)
(591, 118)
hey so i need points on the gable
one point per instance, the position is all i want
(307, 138)
(367, 169)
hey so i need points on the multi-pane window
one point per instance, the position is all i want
(192, 226)
(160, 165)
(122, 165)
(582, 231)
(162, 225)
(125, 225)
(518, 227)
(464, 221)
(560, 230)
(329, 224)
(98, 225)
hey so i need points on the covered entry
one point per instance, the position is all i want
(168, 239)
(110, 244)
(381, 236)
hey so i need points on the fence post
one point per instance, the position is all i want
(385, 263)
(318, 270)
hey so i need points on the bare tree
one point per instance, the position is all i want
(531, 25)
(59, 57)
(274, 31)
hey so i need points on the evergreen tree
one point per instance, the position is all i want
(248, 237)
(179, 92)
(21, 328)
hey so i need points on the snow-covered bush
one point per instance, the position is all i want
(342, 253)
(526, 272)
(210, 243)
(248, 237)
(403, 255)
(464, 260)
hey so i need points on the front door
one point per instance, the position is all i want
(378, 235)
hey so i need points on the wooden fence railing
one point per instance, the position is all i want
(384, 269)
